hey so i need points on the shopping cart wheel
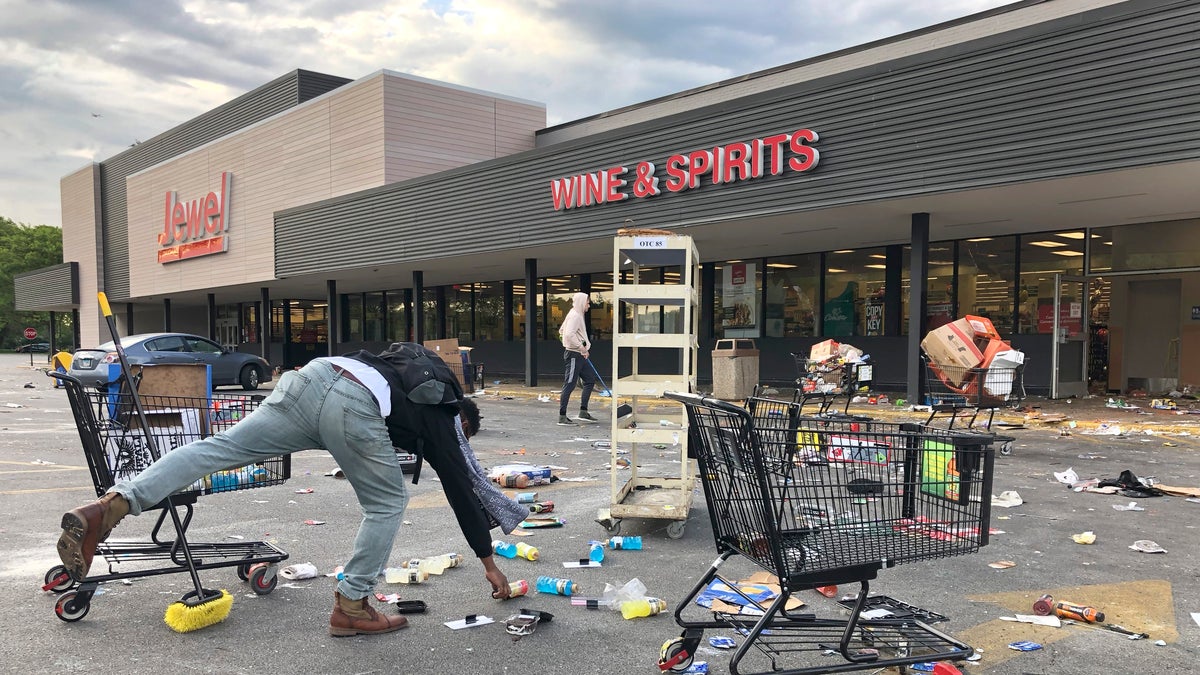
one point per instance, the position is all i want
(675, 529)
(263, 579)
(614, 528)
(243, 570)
(58, 580)
(675, 655)
(70, 611)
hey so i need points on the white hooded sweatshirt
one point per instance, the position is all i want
(573, 330)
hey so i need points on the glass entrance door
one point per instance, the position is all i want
(1069, 355)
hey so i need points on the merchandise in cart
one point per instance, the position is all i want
(119, 443)
(826, 383)
(965, 393)
(666, 316)
(818, 501)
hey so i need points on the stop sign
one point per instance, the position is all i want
(30, 333)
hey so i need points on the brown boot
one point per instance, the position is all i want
(357, 617)
(84, 528)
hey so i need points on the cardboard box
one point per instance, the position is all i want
(823, 351)
(984, 330)
(953, 346)
(452, 354)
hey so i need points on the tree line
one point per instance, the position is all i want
(24, 248)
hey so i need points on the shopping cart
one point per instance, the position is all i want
(965, 393)
(118, 446)
(824, 383)
(817, 501)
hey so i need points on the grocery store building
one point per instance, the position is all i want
(1035, 164)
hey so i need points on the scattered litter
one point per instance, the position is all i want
(470, 621)
(304, 491)
(336, 571)
(1106, 430)
(1091, 455)
(1196, 617)
(550, 521)
(42, 462)
(1160, 643)
(1050, 620)
(314, 522)
(234, 536)
(1131, 506)
(1007, 499)
(1194, 500)
(13, 405)
(1088, 537)
(1024, 646)
(1002, 564)
(1068, 477)
(722, 642)
(299, 571)
(336, 473)
(1120, 404)
(1147, 546)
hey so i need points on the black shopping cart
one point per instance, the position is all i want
(118, 446)
(817, 501)
(826, 383)
(956, 393)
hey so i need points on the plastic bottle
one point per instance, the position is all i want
(633, 609)
(541, 507)
(518, 588)
(512, 480)
(556, 586)
(400, 575)
(625, 543)
(504, 548)
(590, 603)
(527, 552)
(597, 552)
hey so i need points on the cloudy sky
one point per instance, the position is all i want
(81, 80)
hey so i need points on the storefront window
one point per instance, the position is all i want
(489, 311)
(939, 286)
(397, 317)
(352, 318)
(986, 276)
(1042, 256)
(792, 285)
(307, 321)
(1145, 247)
(250, 323)
(458, 312)
(736, 298)
(559, 292)
(518, 304)
(854, 282)
(602, 306)
(373, 317)
(429, 313)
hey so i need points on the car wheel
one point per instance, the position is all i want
(249, 378)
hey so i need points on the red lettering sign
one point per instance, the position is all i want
(731, 163)
(195, 228)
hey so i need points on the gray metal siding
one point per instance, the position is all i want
(1117, 87)
(54, 288)
(254, 106)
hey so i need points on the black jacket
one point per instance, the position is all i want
(425, 396)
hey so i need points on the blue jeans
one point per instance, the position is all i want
(314, 407)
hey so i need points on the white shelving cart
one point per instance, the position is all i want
(660, 282)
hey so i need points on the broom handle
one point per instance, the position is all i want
(597, 372)
(127, 373)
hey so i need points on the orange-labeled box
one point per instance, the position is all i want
(984, 330)
(823, 351)
(953, 345)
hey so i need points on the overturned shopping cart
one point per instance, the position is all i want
(817, 501)
(118, 445)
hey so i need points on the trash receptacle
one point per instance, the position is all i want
(734, 368)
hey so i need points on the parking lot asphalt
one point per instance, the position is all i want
(44, 473)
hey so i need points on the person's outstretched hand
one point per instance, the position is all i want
(496, 578)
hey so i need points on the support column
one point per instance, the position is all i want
(166, 315)
(418, 314)
(508, 311)
(439, 295)
(264, 322)
(75, 337)
(708, 292)
(331, 317)
(128, 318)
(892, 314)
(408, 316)
(53, 337)
(531, 332)
(212, 317)
(918, 272)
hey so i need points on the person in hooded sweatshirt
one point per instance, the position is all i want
(576, 347)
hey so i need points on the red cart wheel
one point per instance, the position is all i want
(70, 611)
(58, 580)
(262, 580)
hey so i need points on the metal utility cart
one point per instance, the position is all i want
(656, 274)
(118, 445)
(817, 501)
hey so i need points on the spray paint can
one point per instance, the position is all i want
(1043, 606)
(542, 507)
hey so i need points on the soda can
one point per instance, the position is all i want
(518, 588)
(526, 497)
(1043, 606)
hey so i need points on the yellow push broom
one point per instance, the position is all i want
(202, 607)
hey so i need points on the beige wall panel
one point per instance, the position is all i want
(81, 236)
(287, 161)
